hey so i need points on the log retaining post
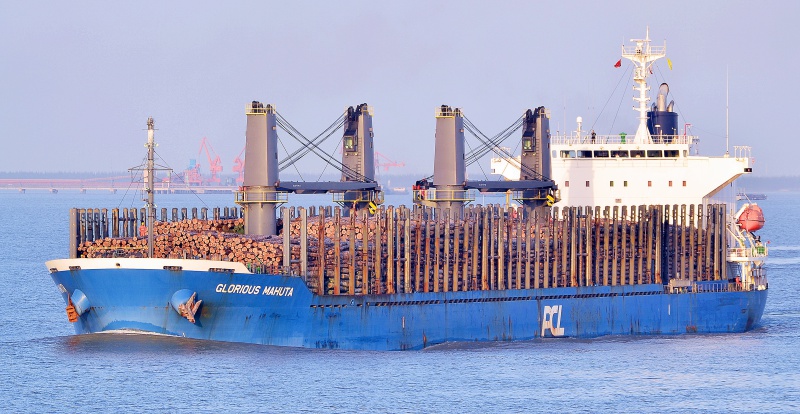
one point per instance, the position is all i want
(74, 232)
(304, 243)
(287, 247)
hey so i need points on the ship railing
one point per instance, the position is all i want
(262, 269)
(742, 151)
(574, 139)
(117, 251)
(432, 194)
(248, 195)
(350, 197)
(254, 107)
(541, 194)
(712, 286)
(447, 112)
(644, 49)
(748, 252)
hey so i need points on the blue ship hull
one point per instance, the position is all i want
(280, 310)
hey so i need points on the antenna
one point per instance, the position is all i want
(727, 153)
(642, 54)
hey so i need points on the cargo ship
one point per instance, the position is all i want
(574, 261)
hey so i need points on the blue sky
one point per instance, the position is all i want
(78, 79)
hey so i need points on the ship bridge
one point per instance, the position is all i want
(654, 166)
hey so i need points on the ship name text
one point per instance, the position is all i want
(255, 290)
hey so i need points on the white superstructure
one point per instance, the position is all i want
(648, 168)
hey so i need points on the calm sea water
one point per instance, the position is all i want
(45, 368)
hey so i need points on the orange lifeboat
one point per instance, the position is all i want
(751, 218)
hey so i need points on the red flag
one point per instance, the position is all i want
(618, 64)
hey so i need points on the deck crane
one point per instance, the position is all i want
(214, 165)
(451, 189)
(238, 167)
(263, 190)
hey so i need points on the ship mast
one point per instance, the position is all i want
(642, 55)
(149, 173)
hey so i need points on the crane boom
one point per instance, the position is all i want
(214, 162)
(385, 162)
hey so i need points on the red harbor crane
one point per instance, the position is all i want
(384, 161)
(238, 167)
(191, 175)
(214, 163)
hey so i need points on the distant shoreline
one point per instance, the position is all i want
(752, 184)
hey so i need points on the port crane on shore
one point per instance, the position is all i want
(385, 162)
(191, 175)
(238, 167)
(214, 162)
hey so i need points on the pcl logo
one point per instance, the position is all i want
(550, 322)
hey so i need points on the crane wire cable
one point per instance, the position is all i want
(280, 141)
(174, 173)
(496, 140)
(305, 149)
(493, 145)
(479, 165)
(330, 160)
(293, 157)
(624, 75)
(134, 179)
(622, 96)
(313, 147)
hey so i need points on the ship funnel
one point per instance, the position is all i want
(663, 91)
(662, 122)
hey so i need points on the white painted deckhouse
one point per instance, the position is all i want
(658, 165)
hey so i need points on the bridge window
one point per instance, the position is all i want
(601, 154)
(584, 154)
(527, 144)
(619, 154)
(568, 154)
(349, 143)
(637, 154)
(654, 154)
(671, 153)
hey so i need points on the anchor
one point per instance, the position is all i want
(187, 308)
(72, 315)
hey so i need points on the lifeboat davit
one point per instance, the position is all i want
(751, 218)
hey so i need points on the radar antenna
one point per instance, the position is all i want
(642, 54)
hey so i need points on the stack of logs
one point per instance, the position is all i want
(401, 250)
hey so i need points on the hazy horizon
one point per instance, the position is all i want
(79, 79)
